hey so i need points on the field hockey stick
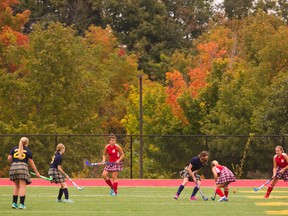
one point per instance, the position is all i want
(78, 187)
(43, 177)
(214, 197)
(259, 188)
(97, 164)
(202, 195)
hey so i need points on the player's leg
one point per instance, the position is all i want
(181, 187)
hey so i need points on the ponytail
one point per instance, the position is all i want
(23, 142)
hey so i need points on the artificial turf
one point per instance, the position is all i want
(142, 201)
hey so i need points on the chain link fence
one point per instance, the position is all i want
(163, 156)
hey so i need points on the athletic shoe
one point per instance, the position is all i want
(113, 194)
(14, 205)
(193, 198)
(21, 206)
(223, 199)
(266, 196)
(111, 191)
(176, 196)
(68, 201)
(59, 200)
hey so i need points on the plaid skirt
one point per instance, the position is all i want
(19, 171)
(56, 175)
(185, 174)
(225, 177)
(114, 167)
(283, 176)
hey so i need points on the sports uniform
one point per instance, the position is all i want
(19, 168)
(53, 171)
(225, 176)
(196, 165)
(114, 155)
(281, 163)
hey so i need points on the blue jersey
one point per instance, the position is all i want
(25, 156)
(56, 160)
(196, 163)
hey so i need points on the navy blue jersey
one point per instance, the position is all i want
(196, 163)
(25, 156)
(56, 160)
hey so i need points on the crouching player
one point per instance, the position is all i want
(223, 177)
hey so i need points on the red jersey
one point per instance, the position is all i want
(280, 161)
(219, 169)
(113, 153)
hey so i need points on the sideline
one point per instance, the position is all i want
(147, 182)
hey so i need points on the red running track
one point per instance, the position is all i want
(146, 182)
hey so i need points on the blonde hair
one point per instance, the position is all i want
(214, 163)
(23, 142)
(59, 147)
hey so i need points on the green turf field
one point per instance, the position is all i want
(152, 201)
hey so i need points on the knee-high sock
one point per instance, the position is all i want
(15, 198)
(181, 187)
(22, 200)
(109, 183)
(60, 193)
(269, 190)
(219, 192)
(115, 187)
(226, 192)
(66, 193)
(196, 188)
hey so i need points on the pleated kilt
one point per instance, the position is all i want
(19, 171)
(185, 174)
(283, 176)
(56, 175)
(225, 177)
(114, 167)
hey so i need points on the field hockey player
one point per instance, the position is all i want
(116, 154)
(58, 174)
(19, 157)
(280, 169)
(223, 177)
(190, 174)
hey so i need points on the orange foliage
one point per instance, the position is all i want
(11, 37)
(102, 37)
(208, 52)
(8, 19)
(174, 90)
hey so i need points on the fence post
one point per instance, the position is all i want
(140, 129)
(131, 157)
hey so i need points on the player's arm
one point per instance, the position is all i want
(274, 168)
(120, 150)
(33, 166)
(189, 170)
(9, 158)
(215, 173)
(104, 154)
(59, 167)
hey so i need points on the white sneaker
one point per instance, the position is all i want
(223, 199)
(68, 201)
